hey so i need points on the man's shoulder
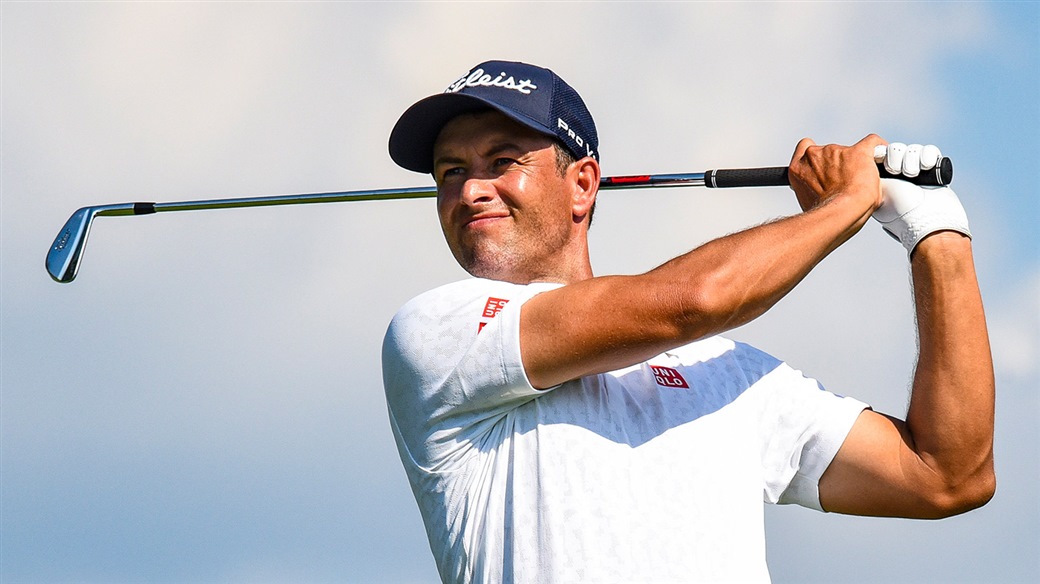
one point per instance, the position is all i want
(458, 308)
(454, 291)
(489, 296)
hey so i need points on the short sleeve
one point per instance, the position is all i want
(802, 426)
(451, 357)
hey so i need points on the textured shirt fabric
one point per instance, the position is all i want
(652, 473)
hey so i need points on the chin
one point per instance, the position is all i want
(497, 271)
(493, 264)
(488, 272)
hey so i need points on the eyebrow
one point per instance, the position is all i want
(504, 147)
(498, 148)
(446, 160)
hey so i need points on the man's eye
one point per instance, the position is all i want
(453, 171)
(504, 161)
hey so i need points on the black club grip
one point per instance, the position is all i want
(776, 176)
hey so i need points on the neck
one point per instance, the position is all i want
(568, 265)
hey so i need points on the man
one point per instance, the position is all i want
(560, 427)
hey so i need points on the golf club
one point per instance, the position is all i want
(65, 254)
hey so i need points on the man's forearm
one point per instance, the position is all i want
(737, 278)
(951, 409)
(714, 288)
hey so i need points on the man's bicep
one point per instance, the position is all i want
(877, 472)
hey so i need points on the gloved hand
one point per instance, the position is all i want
(908, 212)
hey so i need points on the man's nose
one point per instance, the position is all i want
(478, 190)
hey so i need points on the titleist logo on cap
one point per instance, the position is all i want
(477, 78)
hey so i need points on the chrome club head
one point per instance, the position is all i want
(64, 255)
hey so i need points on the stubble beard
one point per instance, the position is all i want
(519, 258)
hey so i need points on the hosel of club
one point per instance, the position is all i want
(65, 254)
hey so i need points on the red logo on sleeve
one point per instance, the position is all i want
(494, 306)
(491, 310)
(668, 377)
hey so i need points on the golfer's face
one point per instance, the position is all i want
(501, 200)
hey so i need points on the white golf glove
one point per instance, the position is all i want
(909, 212)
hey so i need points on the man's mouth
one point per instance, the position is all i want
(482, 219)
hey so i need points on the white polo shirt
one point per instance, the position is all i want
(652, 473)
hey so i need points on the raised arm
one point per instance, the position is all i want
(939, 462)
(601, 324)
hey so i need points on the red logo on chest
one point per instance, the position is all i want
(668, 377)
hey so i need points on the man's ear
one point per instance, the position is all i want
(586, 175)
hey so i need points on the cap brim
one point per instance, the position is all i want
(413, 137)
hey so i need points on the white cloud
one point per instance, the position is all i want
(1014, 322)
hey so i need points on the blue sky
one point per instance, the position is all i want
(204, 402)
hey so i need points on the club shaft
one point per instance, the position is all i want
(626, 182)
(65, 253)
(723, 178)
(334, 197)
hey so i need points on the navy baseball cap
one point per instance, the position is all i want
(533, 96)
